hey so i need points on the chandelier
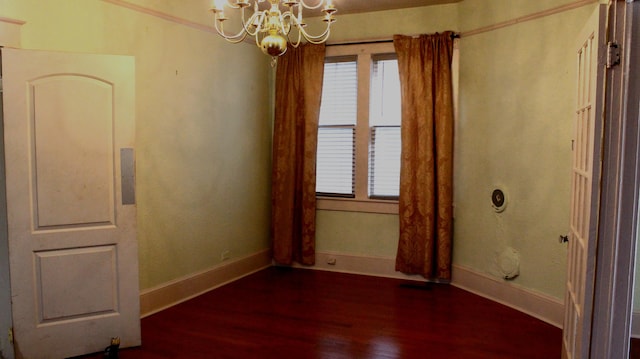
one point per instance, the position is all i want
(271, 27)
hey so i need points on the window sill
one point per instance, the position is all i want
(355, 205)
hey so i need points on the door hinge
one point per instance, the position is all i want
(613, 54)
(11, 335)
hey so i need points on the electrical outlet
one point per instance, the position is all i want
(225, 255)
(331, 261)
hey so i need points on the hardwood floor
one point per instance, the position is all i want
(634, 352)
(297, 313)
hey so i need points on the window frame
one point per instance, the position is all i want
(361, 201)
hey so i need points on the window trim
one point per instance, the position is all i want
(357, 205)
(361, 203)
(376, 205)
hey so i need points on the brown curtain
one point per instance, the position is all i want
(297, 108)
(426, 170)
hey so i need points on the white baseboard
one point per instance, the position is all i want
(538, 305)
(359, 264)
(169, 294)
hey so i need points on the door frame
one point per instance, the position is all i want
(6, 318)
(8, 39)
(620, 187)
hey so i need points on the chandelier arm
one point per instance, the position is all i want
(234, 39)
(297, 43)
(231, 5)
(299, 40)
(247, 25)
(311, 7)
(242, 21)
(285, 28)
(316, 39)
(242, 34)
(262, 27)
(258, 40)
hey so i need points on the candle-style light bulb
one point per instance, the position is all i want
(218, 4)
(329, 8)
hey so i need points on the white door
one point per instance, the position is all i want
(585, 187)
(68, 134)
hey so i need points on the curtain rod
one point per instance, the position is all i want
(454, 35)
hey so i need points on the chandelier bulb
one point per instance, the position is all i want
(217, 5)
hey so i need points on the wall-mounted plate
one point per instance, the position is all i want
(498, 200)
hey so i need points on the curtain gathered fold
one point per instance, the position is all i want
(426, 171)
(297, 108)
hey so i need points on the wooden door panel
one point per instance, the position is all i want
(72, 246)
(585, 191)
(65, 292)
(72, 147)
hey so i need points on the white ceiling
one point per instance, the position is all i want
(360, 6)
(357, 6)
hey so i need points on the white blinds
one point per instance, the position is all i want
(339, 93)
(384, 118)
(336, 153)
(384, 162)
(335, 162)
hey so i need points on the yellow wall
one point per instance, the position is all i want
(203, 126)
(517, 98)
(203, 131)
(514, 131)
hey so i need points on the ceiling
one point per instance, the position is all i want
(357, 6)
(360, 6)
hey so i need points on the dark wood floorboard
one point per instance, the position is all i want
(297, 313)
(634, 353)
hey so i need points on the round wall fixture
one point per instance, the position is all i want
(509, 263)
(498, 200)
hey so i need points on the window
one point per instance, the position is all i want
(384, 121)
(358, 156)
(335, 160)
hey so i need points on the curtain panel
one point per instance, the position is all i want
(297, 109)
(426, 170)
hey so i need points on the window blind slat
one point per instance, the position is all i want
(384, 163)
(384, 118)
(339, 94)
(335, 160)
(385, 104)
